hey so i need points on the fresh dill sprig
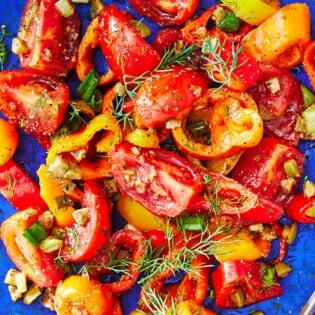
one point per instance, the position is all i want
(211, 193)
(174, 56)
(3, 50)
(75, 113)
(171, 57)
(156, 303)
(122, 117)
(179, 258)
(218, 69)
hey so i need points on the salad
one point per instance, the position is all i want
(171, 147)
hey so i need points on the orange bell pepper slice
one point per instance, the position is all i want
(234, 124)
(85, 61)
(279, 33)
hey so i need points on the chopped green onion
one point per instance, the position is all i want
(86, 89)
(50, 244)
(192, 223)
(291, 168)
(65, 8)
(230, 23)
(308, 96)
(238, 298)
(197, 128)
(141, 27)
(35, 234)
(306, 123)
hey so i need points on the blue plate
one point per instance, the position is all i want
(298, 286)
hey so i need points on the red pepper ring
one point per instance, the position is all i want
(86, 49)
(127, 239)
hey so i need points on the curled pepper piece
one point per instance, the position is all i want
(267, 42)
(80, 139)
(234, 124)
(85, 61)
(129, 240)
(233, 287)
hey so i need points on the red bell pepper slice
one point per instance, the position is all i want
(19, 188)
(249, 277)
(301, 209)
(127, 53)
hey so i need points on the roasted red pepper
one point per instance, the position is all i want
(241, 283)
(19, 188)
(133, 242)
(166, 12)
(309, 62)
(127, 53)
(271, 169)
(301, 209)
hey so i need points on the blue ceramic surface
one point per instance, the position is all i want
(301, 256)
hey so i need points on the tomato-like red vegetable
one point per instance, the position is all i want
(167, 94)
(49, 39)
(83, 241)
(166, 38)
(160, 180)
(251, 278)
(166, 12)
(157, 238)
(127, 53)
(36, 102)
(261, 169)
(19, 188)
(301, 209)
(39, 267)
(279, 97)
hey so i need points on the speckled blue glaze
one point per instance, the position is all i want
(301, 256)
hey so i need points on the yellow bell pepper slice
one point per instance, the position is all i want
(138, 216)
(253, 12)
(50, 190)
(146, 138)
(288, 27)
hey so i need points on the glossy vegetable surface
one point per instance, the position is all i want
(31, 155)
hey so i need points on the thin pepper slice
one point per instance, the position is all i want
(309, 62)
(86, 49)
(234, 124)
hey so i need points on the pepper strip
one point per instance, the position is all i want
(85, 62)
(234, 124)
(309, 62)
